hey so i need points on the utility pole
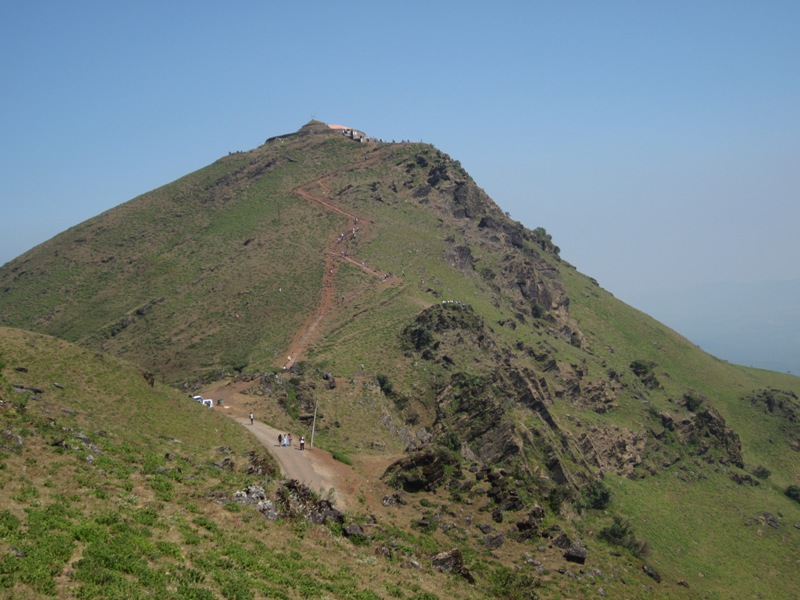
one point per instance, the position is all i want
(314, 422)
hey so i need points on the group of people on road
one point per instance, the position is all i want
(284, 439)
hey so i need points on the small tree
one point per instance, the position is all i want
(595, 495)
(386, 386)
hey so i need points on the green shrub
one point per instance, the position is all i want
(595, 495)
(693, 401)
(558, 496)
(9, 523)
(341, 457)
(620, 533)
(793, 491)
(762, 472)
(386, 386)
(513, 584)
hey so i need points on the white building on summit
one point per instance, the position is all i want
(349, 132)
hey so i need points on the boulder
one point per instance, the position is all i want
(576, 553)
(354, 531)
(448, 561)
(452, 561)
(494, 541)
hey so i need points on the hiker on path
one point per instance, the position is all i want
(251, 418)
(290, 440)
(280, 440)
(302, 442)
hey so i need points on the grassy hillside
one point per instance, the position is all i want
(379, 283)
(112, 488)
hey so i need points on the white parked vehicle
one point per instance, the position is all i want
(208, 403)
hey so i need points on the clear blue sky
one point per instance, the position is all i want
(658, 142)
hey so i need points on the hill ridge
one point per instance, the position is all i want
(377, 287)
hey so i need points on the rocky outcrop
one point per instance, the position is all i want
(294, 500)
(452, 561)
(705, 431)
(423, 470)
(613, 450)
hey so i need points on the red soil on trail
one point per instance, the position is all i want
(337, 251)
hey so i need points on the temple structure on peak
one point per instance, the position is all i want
(349, 132)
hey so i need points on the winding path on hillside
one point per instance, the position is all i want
(312, 467)
(337, 251)
(316, 468)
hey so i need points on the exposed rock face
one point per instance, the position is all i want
(706, 430)
(475, 408)
(421, 470)
(295, 500)
(613, 450)
(776, 402)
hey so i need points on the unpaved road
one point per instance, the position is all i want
(314, 467)
(310, 466)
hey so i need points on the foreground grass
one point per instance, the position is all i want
(111, 488)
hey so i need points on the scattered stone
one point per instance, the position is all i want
(15, 438)
(354, 531)
(770, 520)
(494, 541)
(537, 512)
(448, 561)
(652, 573)
(250, 495)
(744, 479)
(528, 524)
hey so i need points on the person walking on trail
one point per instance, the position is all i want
(290, 440)
(251, 418)
(280, 439)
(302, 442)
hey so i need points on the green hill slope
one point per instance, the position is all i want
(399, 297)
(111, 488)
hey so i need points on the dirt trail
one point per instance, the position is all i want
(336, 252)
(314, 467)
(311, 466)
